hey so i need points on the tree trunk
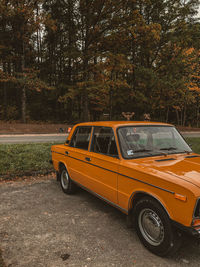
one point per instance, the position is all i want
(23, 97)
(23, 104)
(167, 115)
(184, 115)
(85, 110)
(177, 116)
(4, 95)
(5, 102)
(111, 103)
(181, 117)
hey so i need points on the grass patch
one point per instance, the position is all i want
(25, 159)
(195, 143)
(31, 159)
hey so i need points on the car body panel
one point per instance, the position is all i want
(102, 171)
(138, 178)
(174, 180)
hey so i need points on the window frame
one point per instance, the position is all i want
(93, 132)
(147, 125)
(75, 132)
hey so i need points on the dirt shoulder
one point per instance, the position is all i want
(41, 226)
(43, 128)
(46, 128)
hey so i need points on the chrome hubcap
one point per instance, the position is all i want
(151, 227)
(64, 179)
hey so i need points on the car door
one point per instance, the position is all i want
(103, 164)
(76, 153)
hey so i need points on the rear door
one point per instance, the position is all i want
(103, 164)
(76, 153)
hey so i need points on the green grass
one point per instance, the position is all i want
(23, 159)
(195, 143)
(31, 159)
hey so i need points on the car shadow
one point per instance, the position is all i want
(94, 202)
(189, 251)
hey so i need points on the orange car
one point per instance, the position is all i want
(145, 169)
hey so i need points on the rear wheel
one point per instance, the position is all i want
(66, 183)
(154, 228)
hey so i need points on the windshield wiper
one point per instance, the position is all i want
(160, 152)
(142, 150)
(187, 151)
(168, 148)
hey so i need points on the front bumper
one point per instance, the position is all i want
(193, 231)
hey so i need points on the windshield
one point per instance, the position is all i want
(143, 141)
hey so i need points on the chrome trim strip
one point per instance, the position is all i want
(103, 198)
(135, 179)
(58, 153)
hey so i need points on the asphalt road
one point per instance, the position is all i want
(191, 134)
(41, 226)
(47, 138)
(33, 138)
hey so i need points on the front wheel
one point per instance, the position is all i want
(66, 183)
(154, 228)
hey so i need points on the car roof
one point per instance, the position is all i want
(116, 124)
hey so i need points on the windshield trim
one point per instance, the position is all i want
(147, 156)
(157, 155)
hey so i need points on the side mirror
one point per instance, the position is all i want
(67, 141)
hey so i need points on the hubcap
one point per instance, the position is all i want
(64, 179)
(151, 227)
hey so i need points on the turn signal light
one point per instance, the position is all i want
(196, 222)
(180, 197)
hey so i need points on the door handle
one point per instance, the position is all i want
(88, 159)
(66, 152)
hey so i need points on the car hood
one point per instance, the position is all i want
(182, 166)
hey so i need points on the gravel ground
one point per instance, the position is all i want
(41, 226)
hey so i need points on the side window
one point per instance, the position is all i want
(104, 141)
(81, 138)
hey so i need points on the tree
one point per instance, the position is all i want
(20, 23)
(101, 57)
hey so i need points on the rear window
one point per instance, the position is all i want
(81, 138)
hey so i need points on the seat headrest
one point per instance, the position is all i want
(133, 137)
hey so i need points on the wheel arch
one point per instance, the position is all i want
(60, 164)
(137, 195)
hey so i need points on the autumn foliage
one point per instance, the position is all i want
(75, 60)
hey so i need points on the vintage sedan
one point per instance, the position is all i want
(145, 169)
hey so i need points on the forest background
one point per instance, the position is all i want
(77, 60)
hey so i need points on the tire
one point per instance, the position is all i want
(154, 228)
(67, 185)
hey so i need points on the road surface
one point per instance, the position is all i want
(191, 134)
(58, 138)
(33, 138)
